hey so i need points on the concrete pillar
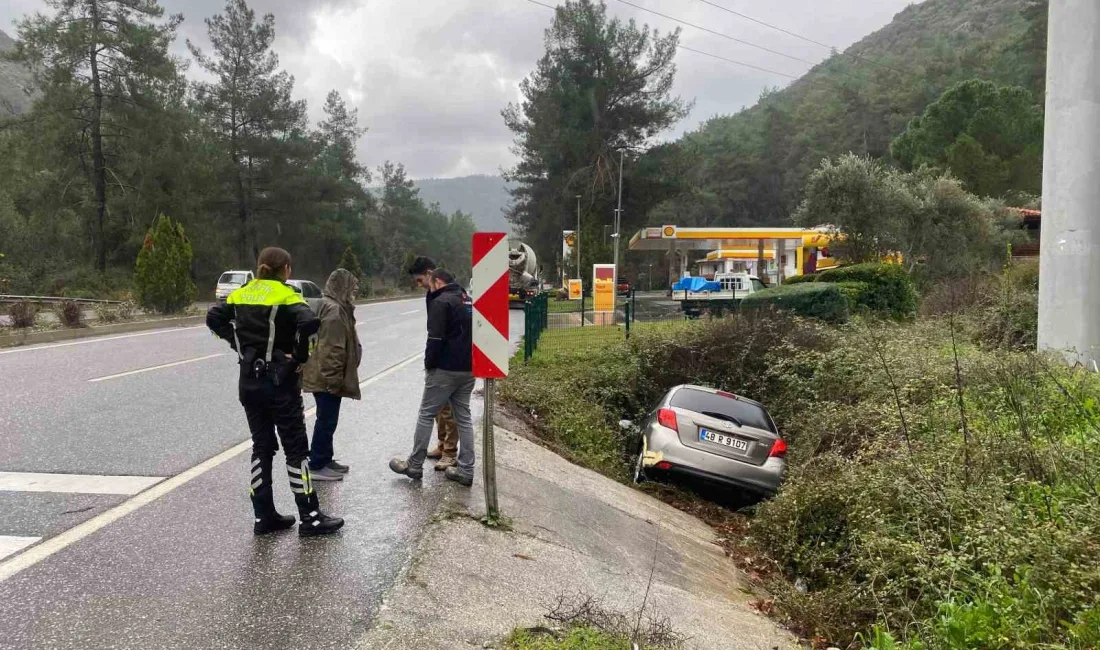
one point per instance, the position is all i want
(780, 266)
(1069, 262)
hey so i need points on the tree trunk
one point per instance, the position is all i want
(242, 210)
(99, 171)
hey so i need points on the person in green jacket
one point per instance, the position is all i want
(332, 372)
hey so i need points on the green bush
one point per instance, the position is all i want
(814, 300)
(162, 276)
(799, 279)
(889, 289)
(350, 261)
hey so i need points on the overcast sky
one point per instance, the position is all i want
(430, 77)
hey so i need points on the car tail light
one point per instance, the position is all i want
(725, 394)
(779, 449)
(667, 418)
(664, 465)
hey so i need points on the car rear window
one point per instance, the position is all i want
(233, 278)
(699, 401)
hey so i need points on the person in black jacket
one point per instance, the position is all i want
(448, 379)
(269, 325)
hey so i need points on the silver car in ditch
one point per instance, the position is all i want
(713, 435)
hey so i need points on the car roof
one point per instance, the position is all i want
(708, 389)
(236, 271)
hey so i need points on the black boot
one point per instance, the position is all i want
(314, 522)
(267, 519)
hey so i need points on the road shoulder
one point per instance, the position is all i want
(572, 532)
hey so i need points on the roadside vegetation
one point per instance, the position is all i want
(943, 486)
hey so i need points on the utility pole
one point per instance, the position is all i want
(577, 248)
(1069, 246)
(618, 222)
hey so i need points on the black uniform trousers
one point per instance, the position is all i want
(272, 409)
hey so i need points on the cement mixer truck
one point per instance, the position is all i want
(523, 274)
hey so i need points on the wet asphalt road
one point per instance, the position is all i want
(185, 571)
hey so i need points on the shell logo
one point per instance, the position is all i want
(668, 231)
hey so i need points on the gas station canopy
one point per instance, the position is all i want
(666, 238)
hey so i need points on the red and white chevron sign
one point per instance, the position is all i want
(490, 289)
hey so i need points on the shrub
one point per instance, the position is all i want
(162, 277)
(23, 315)
(889, 288)
(107, 313)
(799, 279)
(815, 300)
(350, 261)
(70, 313)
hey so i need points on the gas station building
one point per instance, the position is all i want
(770, 254)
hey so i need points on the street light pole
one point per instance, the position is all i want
(618, 218)
(577, 248)
(1069, 244)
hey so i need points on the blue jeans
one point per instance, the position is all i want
(328, 414)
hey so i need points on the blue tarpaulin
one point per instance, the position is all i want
(695, 285)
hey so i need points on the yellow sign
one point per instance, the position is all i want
(669, 231)
(575, 289)
(603, 288)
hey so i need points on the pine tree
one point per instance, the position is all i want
(95, 60)
(162, 275)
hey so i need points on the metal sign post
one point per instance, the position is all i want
(490, 341)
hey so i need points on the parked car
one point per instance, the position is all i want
(230, 281)
(311, 292)
(623, 287)
(723, 439)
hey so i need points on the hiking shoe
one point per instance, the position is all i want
(272, 524)
(435, 452)
(338, 467)
(318, 523)
(445, 462)
(400, 466)
(453, 474)
(325, 474)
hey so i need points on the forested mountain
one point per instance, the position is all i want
(15, 79)
(482, 197)
(750, 168)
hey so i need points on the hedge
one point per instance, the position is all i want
(799, 279)
(888, 288)
(827, 302)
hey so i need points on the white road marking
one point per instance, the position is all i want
(158, 367)
(11, 544)
(103, 339)
(406, 313)
(36, 554)
(75, 483)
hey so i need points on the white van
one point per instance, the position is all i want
(230, 281)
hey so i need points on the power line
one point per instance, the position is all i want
(726, 36)
(740, 63)
(798, 36)
(713, 56)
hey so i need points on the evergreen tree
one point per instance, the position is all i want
(162, 275)
(95, 61)
(350, 261)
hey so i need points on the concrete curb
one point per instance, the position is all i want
(53, 336)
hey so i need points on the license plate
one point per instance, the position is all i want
(723, 439)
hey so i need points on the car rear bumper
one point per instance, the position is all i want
(665, 445)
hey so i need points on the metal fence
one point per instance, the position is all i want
(551, 324)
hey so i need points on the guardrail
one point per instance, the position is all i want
(53, 300)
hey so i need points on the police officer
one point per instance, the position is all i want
(269, 325)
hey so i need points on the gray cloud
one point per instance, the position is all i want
(430, 77)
